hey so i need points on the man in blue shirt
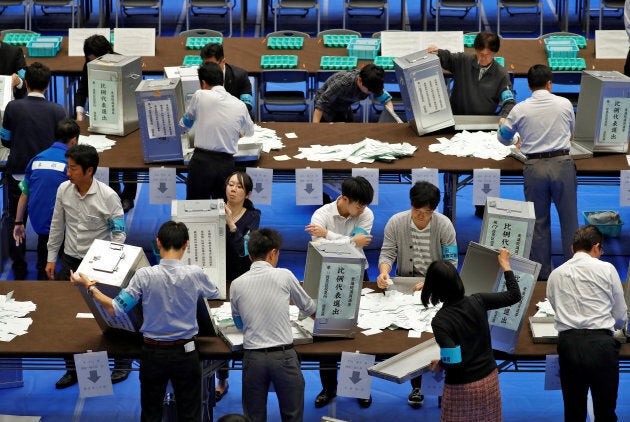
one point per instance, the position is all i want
(44, 173)
(169, 292)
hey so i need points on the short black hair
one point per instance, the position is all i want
(66, 129)
(358, 189)
(211, 73)
(263, 241)
(234, 417)
(424, 194)
(173, 235)
(586, 237)
(442, 284)
(212, 50)
(248, 185)
(85, 156)
(97, 45)
(488, 40)
(37, 76)
(373, 78)
(538, 75)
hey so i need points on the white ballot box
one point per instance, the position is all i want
(481, 273)
(408, 364)
(424, 92)
(189, 80)
(334, 277)
(603, 123)
(205, 220)
(112, 265)
(508, 224)
(112, 82)
(160, 106)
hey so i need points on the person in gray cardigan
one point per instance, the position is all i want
(413, 239)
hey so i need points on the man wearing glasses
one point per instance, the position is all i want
(413, 239)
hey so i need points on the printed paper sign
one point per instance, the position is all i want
(308, 187)
(162, 185)
(93, 374)
(354, 380)
(486, 182)
(263, 183)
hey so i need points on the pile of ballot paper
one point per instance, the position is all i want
(366, 151)
(268, 137)
(472, 144)
(544, 309)
(13, 320)
(100, 142)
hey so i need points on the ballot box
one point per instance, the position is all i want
(189, 80)
(160, 106)
(481, 273)
(205, 220)
(408, 364)
(113, 265)
(603, 112)
(508, 224)
(112, 82)
(424, 93)
(333, 276)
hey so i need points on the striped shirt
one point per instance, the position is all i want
(260, 298)
(421, 242)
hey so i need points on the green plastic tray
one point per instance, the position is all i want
(338, 40)
(566, 64)
(18, 38)
(197, 43)
(567, 51)
(364, 48)
(192, 61)
(44, 46)
(500, 60)
(579, 40)
(387, 63)
(285, 43)
(338, 62)
(469, 40)
(278, 62)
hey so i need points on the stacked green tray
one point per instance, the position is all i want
(278, 62)
(338, 62)
(562, 51)
(386, 63)
(197, 43)
(500, 60)
(338, 40)
(364, 48)
(192, 61)
(469, 39)
(567, 64)
(285, 43)
(19, 38)
(44, 46)
(580, 41)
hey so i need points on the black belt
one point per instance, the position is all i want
(585, 332)
(215, 153)
(272, 349)
(550, 154)
(166, 342)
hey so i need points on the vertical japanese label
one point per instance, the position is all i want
(203, 238)
(103, 102)
(510, 317)
(339, 285)
(160, 123)
(615, 121)
(430, 94)
(506, 233)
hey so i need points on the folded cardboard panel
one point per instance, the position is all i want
(408, 364)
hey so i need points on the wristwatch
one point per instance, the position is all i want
(90, 290)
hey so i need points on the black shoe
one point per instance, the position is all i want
(479, 210)
(415, 399)
(68, 379)
(127, 204)
(365, 403)
(218, 395)
(324, 397)
(119, 375)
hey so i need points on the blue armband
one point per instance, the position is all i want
(247, 99)
(451, 355)
(117, 225)
(245, 242)
(5, 134)
(384, 97)
(507, 95)
(125, 301)
(238, 322)
(449, 253)
(359, 230)
(505, 134)
(187, 122)
(21, 73)
(23, 185)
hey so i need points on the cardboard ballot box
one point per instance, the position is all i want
(160, 106)
(408, 364)
(481, 273)
(112, 82)
(334, 277)
(112, 265)
(424, 93)
(604, 111)
(508, 224)
(205, 220)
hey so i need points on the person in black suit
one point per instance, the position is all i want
(12, 63)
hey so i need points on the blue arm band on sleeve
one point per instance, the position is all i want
(21, 73)
(358, 230)
(24, 187)
(449, 253)
(117, 225)
(245, 244)
(125, 301)
(187, 122)
(507, 95)
(238, 322)
(506, 134)
(384, 97)
(451, 354)
(5, 134)
(247, 99)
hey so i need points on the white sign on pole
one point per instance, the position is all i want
(624, 188)
(372, 176)
(308, 186)
(354, 380)
(93, 374)
(425, 175)
(263, 183)
(162, 185)
(486, 182)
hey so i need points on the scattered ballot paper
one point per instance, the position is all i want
(100, 142)
(366, 151)
(472, 144)
(13, 320)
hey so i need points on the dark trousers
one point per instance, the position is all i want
(129, 182)
(159, 365)
(626, 68)
(589, 359)
(42, 256)
(16, 252)
(207, 173)
(346, 116)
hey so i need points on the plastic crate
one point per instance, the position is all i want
(567, 51)
(469, 40)
(610, 230)
(387, 63)
(19, 38)
(192, 61)
(197, 43)
(44, 46)
(338, 62)
(364, 48)
(500, 60)
(567, 64)
(278, 62)
(338, 40)
(285, 43)
(579, 40)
